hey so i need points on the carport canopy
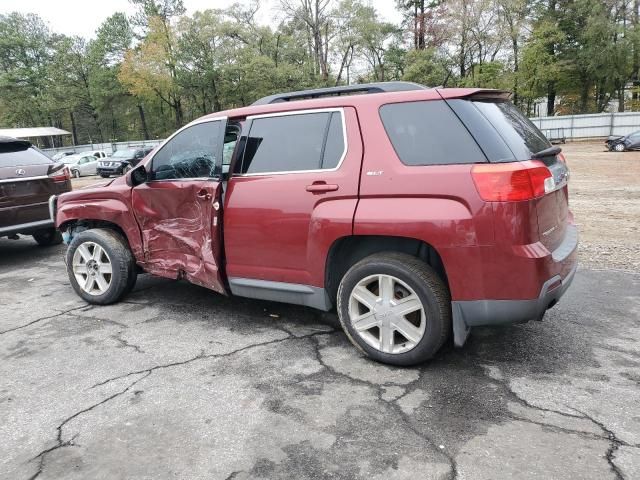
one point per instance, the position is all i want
(32, 132)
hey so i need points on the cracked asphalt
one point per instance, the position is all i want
(179, 382)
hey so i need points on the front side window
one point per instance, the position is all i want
(190, 154)
(290, 143)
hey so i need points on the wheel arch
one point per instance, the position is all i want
(347, 251)
(113, 214)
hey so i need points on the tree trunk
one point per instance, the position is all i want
(551, 98)
(74, 130)
(143, 123)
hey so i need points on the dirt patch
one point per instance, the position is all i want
(604, 195)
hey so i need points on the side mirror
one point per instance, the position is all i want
(138, 176)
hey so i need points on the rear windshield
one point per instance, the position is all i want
(429, 133)
(513, 136)
(13, 155)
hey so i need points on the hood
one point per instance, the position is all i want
(612, 138)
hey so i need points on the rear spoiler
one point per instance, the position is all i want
(474, 94)
(547, 152)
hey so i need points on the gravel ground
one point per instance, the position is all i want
(604, 194)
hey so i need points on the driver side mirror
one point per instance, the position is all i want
(138, 176)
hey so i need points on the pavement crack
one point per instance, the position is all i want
(60, 443)
(202, 356)
(378, 387)
(125, 344)
(48, 317)
(614, 444)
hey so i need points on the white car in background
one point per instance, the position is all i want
(85, 163)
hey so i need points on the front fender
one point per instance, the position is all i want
(109, 205)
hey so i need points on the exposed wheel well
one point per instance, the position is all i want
(75, 226)
(347, 251)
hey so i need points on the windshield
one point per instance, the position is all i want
(129, 153)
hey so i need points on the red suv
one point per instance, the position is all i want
(417, 213)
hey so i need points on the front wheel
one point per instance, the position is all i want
(619, 147)
(104, 175)
(100, 266)
(394, 308)
(76, 173)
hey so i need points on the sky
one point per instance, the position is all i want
(82, 17)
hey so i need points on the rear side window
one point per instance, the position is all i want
(521, 139)
(12, 155)
(429, 133)
(290, 143)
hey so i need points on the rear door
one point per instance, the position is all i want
(178, 208)
(299, 170)
(27, 180)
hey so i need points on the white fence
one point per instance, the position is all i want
(106, 147)
(597, 125)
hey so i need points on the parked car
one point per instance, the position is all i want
(84, 165)
(416, 213)
(61, 155)
(617, 143)
(28, 178)
(122, 161)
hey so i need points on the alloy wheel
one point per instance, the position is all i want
(387, 314)
(92, 268)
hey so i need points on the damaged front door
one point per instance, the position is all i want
(178, 208)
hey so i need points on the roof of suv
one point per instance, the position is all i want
(9, 140)
(355, 100)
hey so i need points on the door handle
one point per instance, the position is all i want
(204, 195)
(321, 187)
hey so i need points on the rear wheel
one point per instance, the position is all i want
(100, 266)
(619, 147)
(394, 308)
(48, 237)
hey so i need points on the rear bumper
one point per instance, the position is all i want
(556, 272)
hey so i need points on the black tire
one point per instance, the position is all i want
(124, 270)
(425, 282)
(48, 237)
(619, 147)
(104, 175)
(75, 173)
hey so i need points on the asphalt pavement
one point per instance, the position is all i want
(179, 382)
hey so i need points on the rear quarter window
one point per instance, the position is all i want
(429, 133)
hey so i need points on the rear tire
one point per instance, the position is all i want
(388, 332)
(100, 266)
(48, 237)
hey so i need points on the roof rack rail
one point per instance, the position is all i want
(379, 87)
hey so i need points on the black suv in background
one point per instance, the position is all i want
(122, 161)
(28, 179)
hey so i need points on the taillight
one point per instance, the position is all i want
(512, 182)
(61, 175)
